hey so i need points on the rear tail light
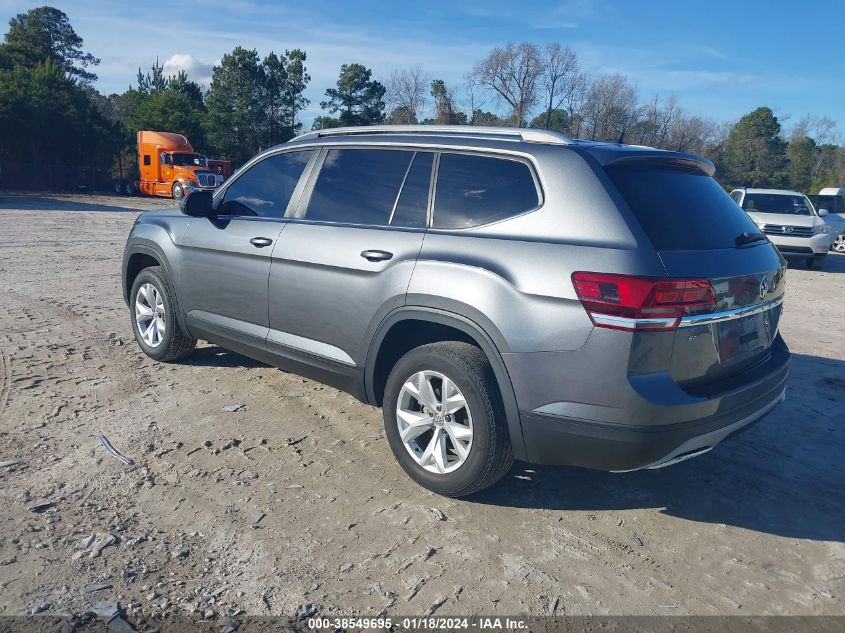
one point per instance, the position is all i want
(625, 302)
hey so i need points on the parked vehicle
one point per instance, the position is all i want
(790, 221)
(832, 200)
(501, 293)
(168, 166)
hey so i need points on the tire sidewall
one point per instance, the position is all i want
(464, 477)
(148, 276)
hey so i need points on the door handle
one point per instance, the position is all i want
(376, 256)
(261, 242)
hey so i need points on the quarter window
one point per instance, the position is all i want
(266, 188)
(359, 186)
(474, 190)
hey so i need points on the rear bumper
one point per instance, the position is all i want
(566, 441)
(639, 437)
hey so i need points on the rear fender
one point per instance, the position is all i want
(484, 341)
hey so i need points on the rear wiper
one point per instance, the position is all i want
(747, 237)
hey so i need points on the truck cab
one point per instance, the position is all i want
(168, 166)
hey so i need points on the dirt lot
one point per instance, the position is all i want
(755, 527)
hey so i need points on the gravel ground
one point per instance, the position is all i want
(295, 498)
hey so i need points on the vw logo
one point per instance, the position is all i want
(764, 286)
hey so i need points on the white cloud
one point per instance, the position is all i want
(197, 69)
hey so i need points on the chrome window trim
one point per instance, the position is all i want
(729, 315)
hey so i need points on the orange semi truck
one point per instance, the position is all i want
(168, 166)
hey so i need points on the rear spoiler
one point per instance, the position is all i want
(608, 154)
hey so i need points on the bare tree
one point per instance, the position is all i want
(610, 108)
(574, 102)
(656, 120)
(512, 73)
(693, 134)
(561, 79)
(475, 94)
(406, 94)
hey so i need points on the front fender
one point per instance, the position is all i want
(157, 238)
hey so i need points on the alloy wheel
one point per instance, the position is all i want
(839, 243)
(150, 314)
(435, 423)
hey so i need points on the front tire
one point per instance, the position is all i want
(153, 312)
(839, 243)
(178, 191)
(444, 419)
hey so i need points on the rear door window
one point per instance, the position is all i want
(680, 208)
(474, 190)
(359, 186)
(833, 204)
(265, 189)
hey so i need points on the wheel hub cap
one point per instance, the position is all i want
(434, 422)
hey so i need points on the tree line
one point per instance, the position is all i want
(50, 111)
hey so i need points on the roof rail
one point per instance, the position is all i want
(511, 133)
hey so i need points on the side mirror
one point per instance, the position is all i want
(822, 213)
(197, 204)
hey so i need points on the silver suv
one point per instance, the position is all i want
(790, 221)
(500, 293)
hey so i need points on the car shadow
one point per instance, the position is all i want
(62, 203)
(784, 476)
(214, 356)
(834, 263)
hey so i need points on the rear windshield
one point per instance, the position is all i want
(680, 208)
(777, 203)
(832, 204)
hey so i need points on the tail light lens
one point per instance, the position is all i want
(625, 302)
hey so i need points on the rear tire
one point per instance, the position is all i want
(816, 262)
(130, 188)
(152, 310)
(471, 412)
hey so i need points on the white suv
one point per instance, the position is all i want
(790, 221)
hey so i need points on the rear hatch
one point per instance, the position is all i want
(701, 234)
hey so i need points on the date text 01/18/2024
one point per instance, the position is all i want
(417, 623)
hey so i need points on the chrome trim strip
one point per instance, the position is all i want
(729, 315)
(317, 348)
(626, 322)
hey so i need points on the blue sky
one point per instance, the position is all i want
(722, 59)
